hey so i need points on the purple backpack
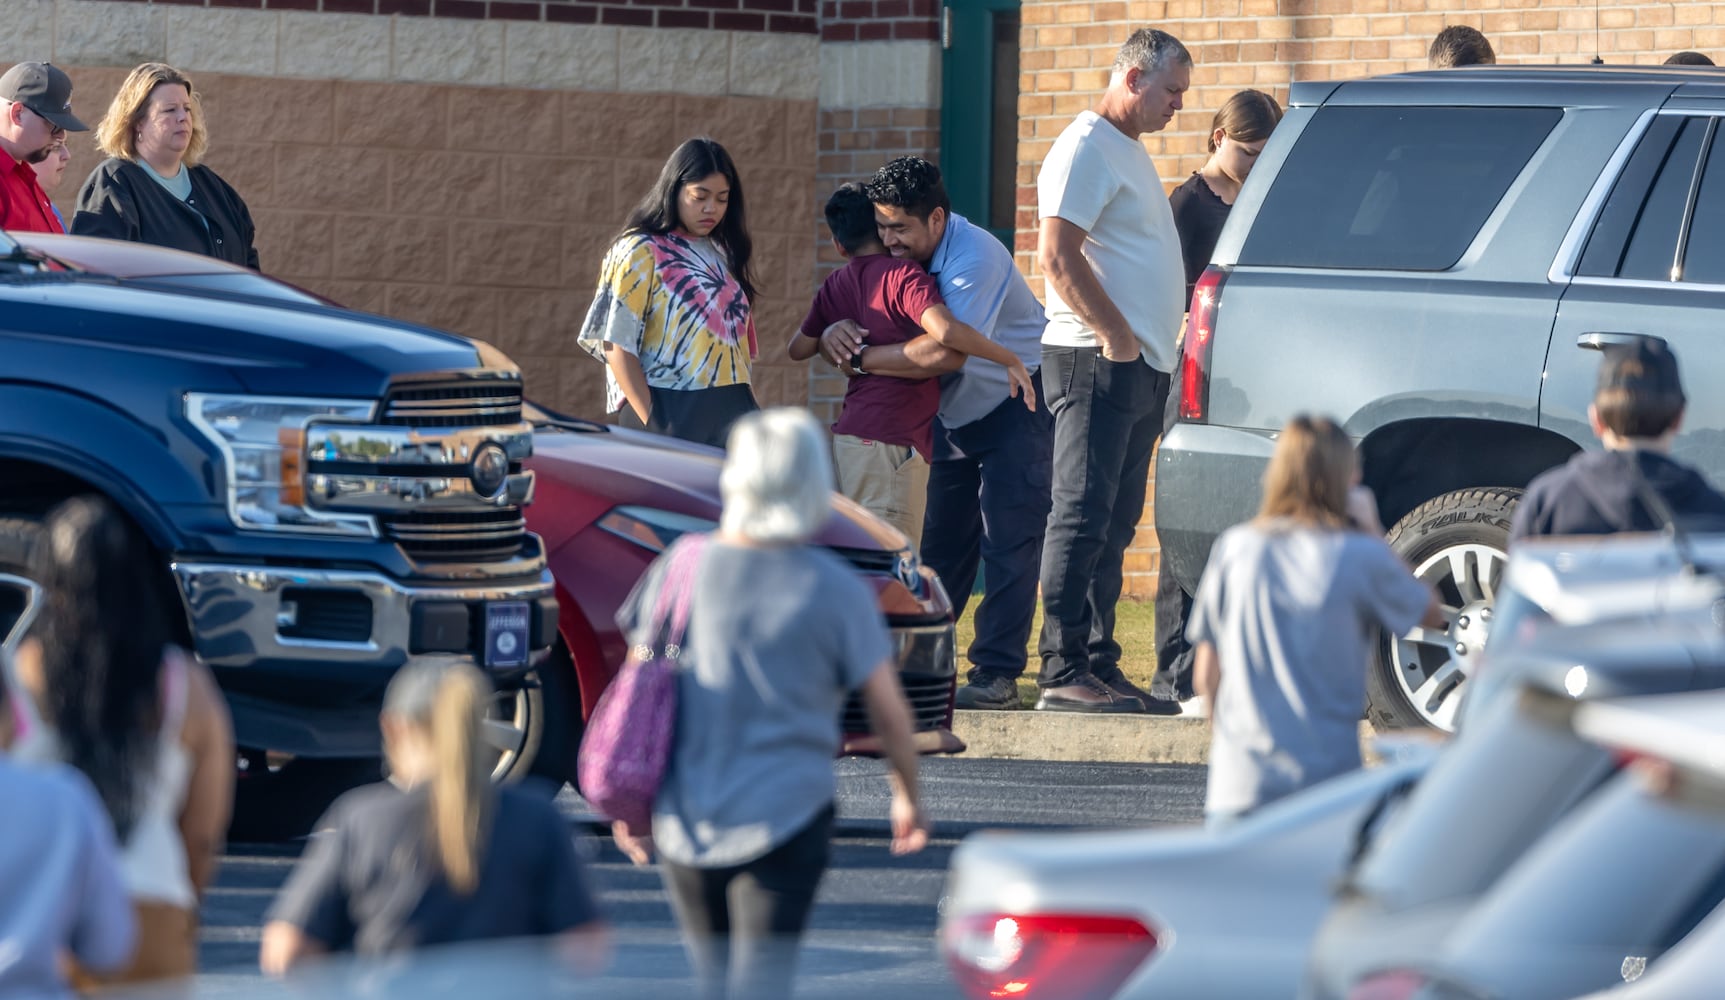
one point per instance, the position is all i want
(628, 740)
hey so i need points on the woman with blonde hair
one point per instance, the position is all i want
(153, 187)
(1284, 619)
(744, 818)
(437, 854)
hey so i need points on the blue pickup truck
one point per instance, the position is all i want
(330, 492)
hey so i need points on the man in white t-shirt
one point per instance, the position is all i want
(1115, 281)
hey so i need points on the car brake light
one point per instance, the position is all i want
(1070, 956)
(1195, 348)
(1396, 984)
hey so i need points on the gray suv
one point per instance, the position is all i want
(1436, 259)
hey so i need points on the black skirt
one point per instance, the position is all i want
(704, 416)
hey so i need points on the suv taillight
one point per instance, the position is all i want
(1065, 955)
(1195, 349)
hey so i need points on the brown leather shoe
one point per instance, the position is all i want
(1087, 694)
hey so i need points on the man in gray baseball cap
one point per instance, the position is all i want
(35, 114)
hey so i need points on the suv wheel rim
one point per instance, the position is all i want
(1430, 665)
(505, 730)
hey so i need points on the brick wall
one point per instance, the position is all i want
(791, 16)
(1067, 49)
(880, 98)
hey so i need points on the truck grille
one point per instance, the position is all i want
(442, 537)
(461, 405)
(930, 697)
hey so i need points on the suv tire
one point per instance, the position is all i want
(1458, 543)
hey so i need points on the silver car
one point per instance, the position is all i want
(1613, 886)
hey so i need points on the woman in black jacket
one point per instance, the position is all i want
(152, 189)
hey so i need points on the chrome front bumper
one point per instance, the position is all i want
(251, 616)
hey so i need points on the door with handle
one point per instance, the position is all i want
(1654, 266)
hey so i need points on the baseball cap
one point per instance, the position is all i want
(1645, 366)
(45, 89)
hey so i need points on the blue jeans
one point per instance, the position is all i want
(988, 499)
(1107, 418)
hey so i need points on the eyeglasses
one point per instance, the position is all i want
(53, 129)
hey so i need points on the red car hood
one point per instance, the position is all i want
(628, 467)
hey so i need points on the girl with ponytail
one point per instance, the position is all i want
(437, 854)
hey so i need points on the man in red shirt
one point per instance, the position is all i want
(35, 114)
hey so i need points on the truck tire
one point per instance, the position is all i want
(538, 727)
(1458, 543)
(18, 537)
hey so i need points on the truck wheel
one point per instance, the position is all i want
(17, 545)
(536, 728)
(1458, 544)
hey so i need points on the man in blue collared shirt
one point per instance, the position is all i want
(988, 488)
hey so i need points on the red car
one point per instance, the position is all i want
(610, 499)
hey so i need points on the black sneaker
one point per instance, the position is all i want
(991, 693)
(1153, 705)
(1087, 693)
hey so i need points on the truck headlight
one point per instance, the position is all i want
(262, 441)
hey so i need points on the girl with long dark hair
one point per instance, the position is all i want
(672, 318)
(123, 703)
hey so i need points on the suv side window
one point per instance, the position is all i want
(1652, 250)
(1704, 259)
(1392, 188)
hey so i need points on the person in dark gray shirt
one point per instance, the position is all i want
(445, 858)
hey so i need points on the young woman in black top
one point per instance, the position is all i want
(1201, 205)
(1237, 136)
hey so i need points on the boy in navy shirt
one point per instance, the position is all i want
(885, 432)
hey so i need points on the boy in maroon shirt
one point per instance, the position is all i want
(885, 431)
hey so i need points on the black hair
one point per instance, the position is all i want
(1639, 392)
(105, 626)
(911, 183)
(1688, 58)
(850, 216)
(656, 213)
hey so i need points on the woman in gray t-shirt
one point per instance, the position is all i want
(1283, 621)
(780, 633)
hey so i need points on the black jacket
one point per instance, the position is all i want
(1595, 493)
(122, 202)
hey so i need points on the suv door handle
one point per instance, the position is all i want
(1599, 340)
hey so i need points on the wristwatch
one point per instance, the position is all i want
(856, 363)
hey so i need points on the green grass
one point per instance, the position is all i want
(1134, 629)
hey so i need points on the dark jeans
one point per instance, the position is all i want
(987, 510)
(1173, 610)
(704, 416)
(742, 924)
(1107, 418)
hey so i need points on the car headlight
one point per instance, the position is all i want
(262, 441)
(650, 528)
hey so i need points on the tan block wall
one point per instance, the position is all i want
(1067, 48)
(485, 210)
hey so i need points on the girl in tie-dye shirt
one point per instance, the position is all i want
(671, 317)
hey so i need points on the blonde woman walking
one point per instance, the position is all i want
(437, 855)
(1284, 619)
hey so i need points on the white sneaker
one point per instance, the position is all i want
(1196, 707)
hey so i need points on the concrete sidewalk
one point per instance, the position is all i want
(1066, 736)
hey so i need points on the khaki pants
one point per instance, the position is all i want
(167, 949)
(890, 480)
